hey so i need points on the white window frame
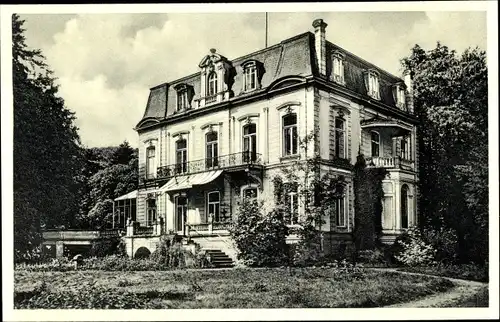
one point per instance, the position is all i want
(338, 68)
(150, 219)
(209, 203)
(250, 71)
(214, 150)
(212, 81)
(341, 202)
(406, 153)
(378, 142)
(287, 133)
(251, 137)
(373, 84)
(344, 132)
(184, 154)
(182, 100)
(249, 187)
(151, 168)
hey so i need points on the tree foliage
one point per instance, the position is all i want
(259, 236)
(450, 101)
(109, 173)
(317, 190)
(47, 152)
(368, 194)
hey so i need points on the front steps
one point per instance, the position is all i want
(219, 259)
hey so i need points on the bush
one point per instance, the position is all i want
(445, 241)
(106, 247)
(170, 254)
(415, 251)
(375, 257)
(260, 239)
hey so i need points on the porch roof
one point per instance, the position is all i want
(188, 181)
(130, 195)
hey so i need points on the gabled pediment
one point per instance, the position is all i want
(211, 59)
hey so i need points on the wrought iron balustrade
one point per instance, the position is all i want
(207, 164)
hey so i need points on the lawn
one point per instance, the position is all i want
(236, 288)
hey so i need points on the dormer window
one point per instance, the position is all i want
(212, 84)
(372, 83)
(252, 74)
(184, 95)
(250, 78)
(338, 67)
(399, 96)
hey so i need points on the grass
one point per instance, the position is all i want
(237, 288)
(479, 299)
(465, 271)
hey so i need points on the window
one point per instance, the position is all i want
(212, 150)
(340, 212)
(399, 96)
(290, 137)
(181, 156)
(213, 201)
(405, 148)
(291, 215)
(375, 138)
(250, 77)
(182, 100)
(151, 212)
(212, 84)
(338, 67)
(250, 193)
(404, 206)
(340, 146)
(250, 142)
(150, 162)
(372, 82)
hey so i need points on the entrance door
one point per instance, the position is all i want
(180, 213)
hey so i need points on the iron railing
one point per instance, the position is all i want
(215, 163)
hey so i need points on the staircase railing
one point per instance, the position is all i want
(192, 228)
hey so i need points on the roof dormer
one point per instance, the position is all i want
(217, 77)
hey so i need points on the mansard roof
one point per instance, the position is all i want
(293, 57)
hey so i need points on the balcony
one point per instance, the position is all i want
(230, 161)
(389, 163)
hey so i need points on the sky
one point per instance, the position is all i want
(106, 63)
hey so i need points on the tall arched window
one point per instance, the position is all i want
(181, 156)
(150, 162)
(404, 206)
(212, 150)
(340, 146)
(250, 142)
(212, 84)
(290, 136)
(375, 138)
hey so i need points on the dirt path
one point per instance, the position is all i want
(461, 290)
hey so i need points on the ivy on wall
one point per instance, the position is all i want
(368, 194)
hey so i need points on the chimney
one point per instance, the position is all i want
(409, 90)
(319, 44)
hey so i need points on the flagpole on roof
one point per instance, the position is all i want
(266, 29)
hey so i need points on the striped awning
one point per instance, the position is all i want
(130, 195)
(188, 181)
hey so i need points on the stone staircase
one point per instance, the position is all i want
(219, 259)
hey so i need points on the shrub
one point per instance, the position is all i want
(169, 254)
(445, 241)
(260, 239)
(375, 257)
(105, 247)
(415, 251)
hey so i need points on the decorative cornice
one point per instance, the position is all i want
(290, 103)
(179, 133)
(248, 116)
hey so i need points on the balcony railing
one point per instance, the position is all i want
(221, 162)
(210, 99)
(389, 162)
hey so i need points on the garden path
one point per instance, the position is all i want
(462, 288)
